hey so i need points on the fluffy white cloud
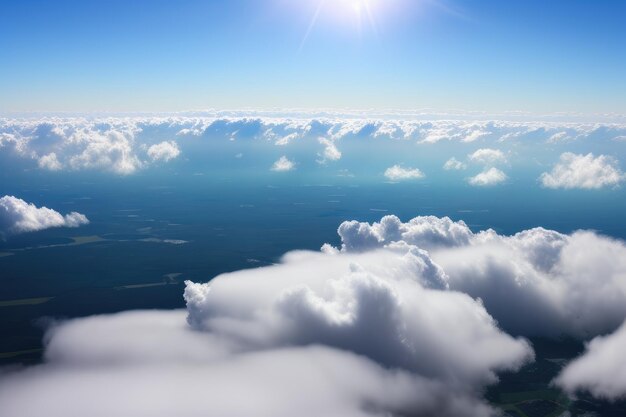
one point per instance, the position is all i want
(583, 171)
(163, 151)
(330, 153)
(601, 370)
(18, 216)
(426, 232)
(112, 151)
(488, 177)
(50, 162)
(152, 364)
(399, 173)
(454, 164)
(330, 333)
(564, 284)
(475, 134)
(487, 156)
(377, 327)
(283, 164)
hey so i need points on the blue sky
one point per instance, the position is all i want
(492, 56)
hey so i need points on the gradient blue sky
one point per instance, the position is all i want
(490, 55)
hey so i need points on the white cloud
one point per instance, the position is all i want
(164, 151)
(558, 137)
(119, 144)
(364, 334)
(377, 327)
(331, 153)
(601, 370)
(454, 164)
(112, 151)
(475, 134)
(399, 173)
(283, 164)
(50, 162)
(488, 177)
(153, 364)
(18, 216)
(583, 171)
(487, 156)
(554, 279)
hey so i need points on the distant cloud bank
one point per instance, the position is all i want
(322, 142)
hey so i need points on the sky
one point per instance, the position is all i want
(145, 56)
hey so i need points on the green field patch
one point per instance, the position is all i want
(516, 397)
(25, 301)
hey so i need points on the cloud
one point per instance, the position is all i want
(164, 151)
(331, 153)
(112, 151)
(152, 363)
(487, 156)
(454, 164)
(564, 284)
(426, 232)
(601, 370)
(283, 164)
(475, 134)
(583, 171)
(118, 144)
(488, 177)
(378, 326)
(50, 162)
(399, 173)
(18, 216)
(320, 333)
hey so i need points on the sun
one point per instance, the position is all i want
(355, 13)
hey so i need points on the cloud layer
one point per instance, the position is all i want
(127, 144)
(18, 216)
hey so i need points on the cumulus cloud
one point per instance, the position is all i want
(330, 153)
(564, 284)
(112, 151)
(50, 162)
(18, 216)
(601, 370)
(475, 134)
(454, 164)
(163, 151)
(583, 171)
(399, 173)
(488, 177)
(487, 156)
(378, 326)
(283, 164)
(320, 333)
